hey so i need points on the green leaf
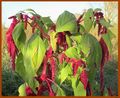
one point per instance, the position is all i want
(82, 29)
(104, 23)
(94, 24)
(72, 52)
(47, 21)
(27, 74)
(91, 47)
(34, 52)
(46, 43)
(84, 44)
(67, 70)
(79, 89)
(40, 23)
(87, 21)
(76, 37)
(20, 68)
(53, 40)
(66, 22)
(21, 90)
(107, 38)
(69, 41)
(91, 76)
(19, 35)
(106, 92)
(60, 92)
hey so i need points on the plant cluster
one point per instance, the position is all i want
(62, 58)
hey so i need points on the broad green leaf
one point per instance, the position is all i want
(69, 41)
(79, 89)
(19, 35)
(20, 68)
(89, 45)
(40, 23)
(67, 70)
(82, 29)
(21, 90)
(47, 21)
(60, 92)
(88, 20)
(34, 52)
(46, 43)
(26, 75)
(66, 22)
(53, 40)
(76, 37)
(91, 76)
(107, 39)
(84, 44)
(72, 52)
(104, 23)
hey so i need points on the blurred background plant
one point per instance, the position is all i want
(11, 81)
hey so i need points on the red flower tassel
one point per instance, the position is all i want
(105, 58)
(84, 78)
(10, 43)
(53, 64)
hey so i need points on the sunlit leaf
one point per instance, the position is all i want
(88, 20)
(66, 22)
(21, 90)
(19, 35)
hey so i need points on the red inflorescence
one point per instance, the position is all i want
(10, 43)
(84, 78)
(61, 40)
(105, 58)
(75, 64)
(29, 91)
